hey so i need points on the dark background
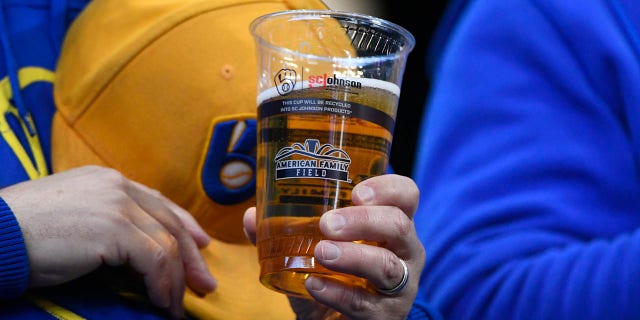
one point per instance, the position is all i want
(421, 22)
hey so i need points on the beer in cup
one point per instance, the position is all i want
(328, 90)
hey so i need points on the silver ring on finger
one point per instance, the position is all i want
(400, 286)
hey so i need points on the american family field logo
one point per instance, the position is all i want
(285, 81)
(312, 160)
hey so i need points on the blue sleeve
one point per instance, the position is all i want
(14, 263)
(529, 163)
(421, 310)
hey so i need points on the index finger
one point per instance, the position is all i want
(200, 236)
(388, 190)
(197, 273)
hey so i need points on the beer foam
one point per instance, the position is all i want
(366, 82)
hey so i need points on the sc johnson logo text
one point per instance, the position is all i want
(326, 81)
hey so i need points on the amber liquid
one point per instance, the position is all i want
(289, 208)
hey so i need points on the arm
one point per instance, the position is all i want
(529, 165)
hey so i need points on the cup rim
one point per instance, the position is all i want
(404, 50)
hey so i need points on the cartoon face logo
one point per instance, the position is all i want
(285, 81)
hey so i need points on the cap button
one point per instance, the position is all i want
(227, 71)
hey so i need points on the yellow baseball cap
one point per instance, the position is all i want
(165, 92)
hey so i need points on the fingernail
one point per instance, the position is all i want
(365, 193)
(315, 284)
(329, 251)
(212, 283)
(335, 221)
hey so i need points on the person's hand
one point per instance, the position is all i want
(383, 212)
(75, 221)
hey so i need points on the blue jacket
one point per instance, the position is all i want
(31, 34)
(529, 162)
